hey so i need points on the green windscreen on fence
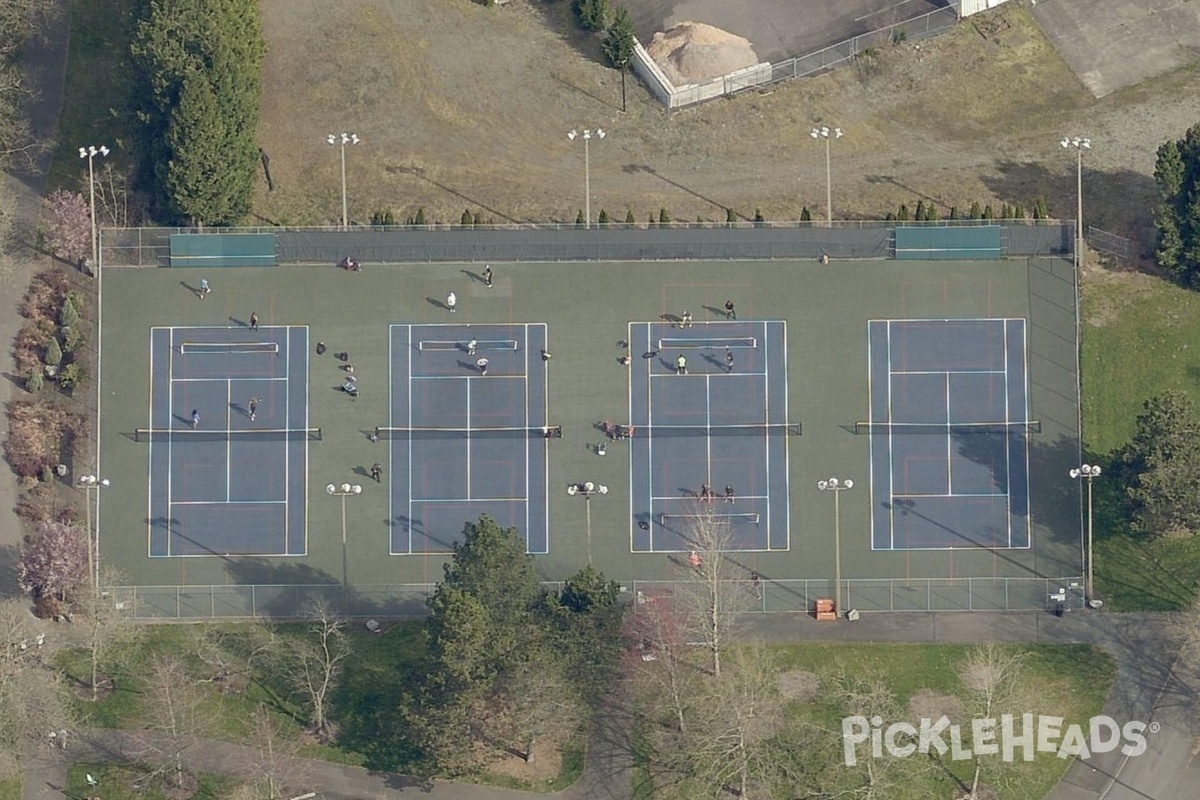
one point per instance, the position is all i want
(223, 250)
(948, 244)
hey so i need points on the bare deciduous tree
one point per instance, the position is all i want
(991, 675)
(313, 665)
(176, 716)
(111, 628)
(715, 591)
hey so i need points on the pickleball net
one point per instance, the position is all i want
(174, 435)
(606, 429)
(947, 429)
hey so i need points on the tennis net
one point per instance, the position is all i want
(208, 435)
(226, 348)
(713, 343)
(607, 429)
(944, 429)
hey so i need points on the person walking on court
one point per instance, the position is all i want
(728, 359)
(695, 560)
(729, 312)
(729, 497)
(195, 419)
(204, 287)
(685, 321)
(252, 407)
(452, 302)
(756, 584)
(377, 472)
(471, 345)
(253, 321)
(681, 365)
(705, 493)
(487, 275)
(482, 364)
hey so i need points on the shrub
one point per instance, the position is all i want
(663, 217)
(72, 375)
(40, 434)
(45, 295)
(466, 218)
(629, 218)
(29, 345)
(579, 219)
(478, 220)
(805, 215)
(67, 315)
(33, 383)
(74, 339)
(603, 219)
(976, 211)
(54, 354)
(759, 219)
(919, 214)
(903, 214)
(419, 219)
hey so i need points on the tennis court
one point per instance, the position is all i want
(949, 434)
(228, 441)
(467, 433)
(720, 423)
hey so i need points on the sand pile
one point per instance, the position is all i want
(693, 52)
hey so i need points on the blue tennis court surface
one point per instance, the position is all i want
(462, 442)
(228, 485)
(719, 425)
(949, 434)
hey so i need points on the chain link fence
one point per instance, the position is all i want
(279, 601)
(679, 241)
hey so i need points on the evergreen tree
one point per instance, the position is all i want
(603, 219)
(629, 219)
(903, 215)
(466, 218)
(1160, 467)
(1018, 211)
(54, 354)
(67, 315)
(953, 213)
(931, 212)
(976, 211)
(592, 15)
(805, 214)
(1177, 217)
(1006, 211)
(663, 217)
(1039, 209)
(618, 45)
(419, 219)
(730, 217)
(579, 221)
(988, 213)
(919, 214)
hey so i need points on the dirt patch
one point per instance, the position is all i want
(928, 704)
(467, 107)
(692, 52)
(799, 685)
(544, 767)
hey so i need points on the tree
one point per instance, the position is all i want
(69, 225)
(618, 45)
(1160, 467)
(991, 676)
(314, 664)
(110, 629)
(178, 715)
(715, 590)
(33, 698)
(629, 218)
(592, 15)
(54, 354)
(68, 315)
(200, 61)
(1177, 217)
(53, 563)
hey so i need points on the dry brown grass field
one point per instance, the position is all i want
(466, 107)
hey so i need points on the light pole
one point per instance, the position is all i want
(1088, 472)
(344, 491)
(90, 152)
(91, 484)
(587, 170)
(827, 133)
(837, 487)
(587, 489)
(341, 140)
(1080, 143)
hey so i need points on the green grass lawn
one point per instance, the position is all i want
(1141, 337)
(1071, 681)
(127, 783)
(11, 788)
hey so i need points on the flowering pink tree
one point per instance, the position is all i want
(53, 562)
(68, 225)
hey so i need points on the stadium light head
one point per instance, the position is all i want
(838, 133)
(600, 134)
(356, 489)
(1079, 142)
(825, 132)
(331, 139)
(571, 134)
(330, 489)
(602, 489)
(572, 489)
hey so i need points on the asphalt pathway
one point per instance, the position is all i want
(1149, 687)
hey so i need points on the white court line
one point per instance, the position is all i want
(949, 372)
(202, 380)
(150, 459)
(1028, 442)
(234, 503)
(410, 382)
(287, 441)
(229, 441)
(629, 396)
(787, 461)
(766, 419)
(468, 439)
(950, 494)
(891, 450)
(307, 424)
(719, 374)
(390, 449)
(436, 500)
(170, 437)
(949, 442)
(717, 500)
(708, 433)
(528, 488)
